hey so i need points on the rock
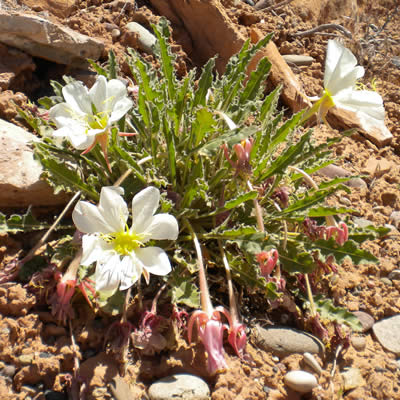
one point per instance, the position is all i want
(283, 341)
(389, 198)
(20, 184)
(362, 222)
(378, 167)
(394, 275)
(352, 378)
(395, 219)
(386, 281)
(300, 381)
(387, 332)
(8, 370)
(179, 386)
(358, 342)
(115, 34)
(60, 8)
(310, 360)
(120, 389)
(298, 59)
(25, 359)
(333, 171)
(145, 39)
(366, 320)
(372, 129)
(42, 38)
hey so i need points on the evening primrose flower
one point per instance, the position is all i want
(341, 75)
(117, 249)
(87, 114)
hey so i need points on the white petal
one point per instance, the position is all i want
(88, 219)
(131, 269)
(120, 109)
(107, 275)
(81, 141)
(116, 91)
(77, 97)
(62, 114)
(144, 205)
(155, 260)
(341, 71)
(94, 249)
(98, 94)
(163, 226)
(113, 207)
(361, 101)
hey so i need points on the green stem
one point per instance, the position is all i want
(310, 296)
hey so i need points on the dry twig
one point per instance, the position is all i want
(324, 27)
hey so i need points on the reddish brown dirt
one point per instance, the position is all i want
(41, 351)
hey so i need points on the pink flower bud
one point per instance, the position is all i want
(267, 261)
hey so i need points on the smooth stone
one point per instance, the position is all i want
(20, 183)
(362, 222)
(395, 219)
(394, 275)
(387, 332)
(366, 320)
(386, 281)
(310, 360)
(283, 341)
(352, 378)
(300, 381)
(46, 39)
(333, 171)
(146, 40)
(25, 359)
(8, 370)
(358, 342)
(298, 59)
(179, 386)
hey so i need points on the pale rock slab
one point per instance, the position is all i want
(42, 38)
(20, 184)
(387, 332)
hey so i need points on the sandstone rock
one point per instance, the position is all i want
(387, 331)
(378, 167)
(300, 381)
(20, 184)
(180, 386)
(42, 38)
(145, 39)
(283, 341)
(60, 8)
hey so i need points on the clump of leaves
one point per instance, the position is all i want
(184, 126)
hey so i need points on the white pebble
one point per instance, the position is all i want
(300, 381)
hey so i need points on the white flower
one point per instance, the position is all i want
(118, 250)
(341, 75)
(87, 113)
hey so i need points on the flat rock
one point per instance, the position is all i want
(180, 386)
(387, 332)
(60, 8)
(352, 378)
(366, 320)
(283, 341)
(42, 38)
(378, 167)
(333, 171)
(297, 59)
(20, 184)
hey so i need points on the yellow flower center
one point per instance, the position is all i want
(126, 242)
(97, 121)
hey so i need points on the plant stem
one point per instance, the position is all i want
(310, 296)
(257, 210)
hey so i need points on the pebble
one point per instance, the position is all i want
(352, 378)
(25, 359)
(387, 332)
(146, 40)
(366, 320)
(298, 59)
(283, 341)
(310, 360)
(394, 275)
(115, 34)
(358, 342)
(386, 281)
(334, 171)
(179, 386)
(362, 222)
(395, 219)
(300, 381)
(8, 370)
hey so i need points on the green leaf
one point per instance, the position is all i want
(204, 84)
(350, 249)
(326, 211)
(185, 293)
(20, 223)
(251, 195)
(296, 259)
(328, 311)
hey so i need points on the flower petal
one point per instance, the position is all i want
(131, 269)
(361, 101)
(98, 94)
(341, 71)
(94, 249)
(120, 108)
(113, 208)
(155, 260)
(108, 274)
(77, 97)
(163, 226)
(144, 205)
(88, 219)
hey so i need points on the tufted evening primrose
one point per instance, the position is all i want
(118, 250)
(87, 114)
(341, 75)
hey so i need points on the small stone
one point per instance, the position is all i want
(378, 167)
(300, 381)
(345, 201)
(362, 222)
(310, 360)
(283, 341)
(334, 171)
(115, 34)
(298, 59)
(366, 320)
(146, 40)
(179, 386)
(395, 219)
(394, 275)
(8, 370)
(358, 342)
(387, 332)
(352, 378)
(25, 359)
(386, 281)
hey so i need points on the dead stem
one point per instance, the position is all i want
(257, 210)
